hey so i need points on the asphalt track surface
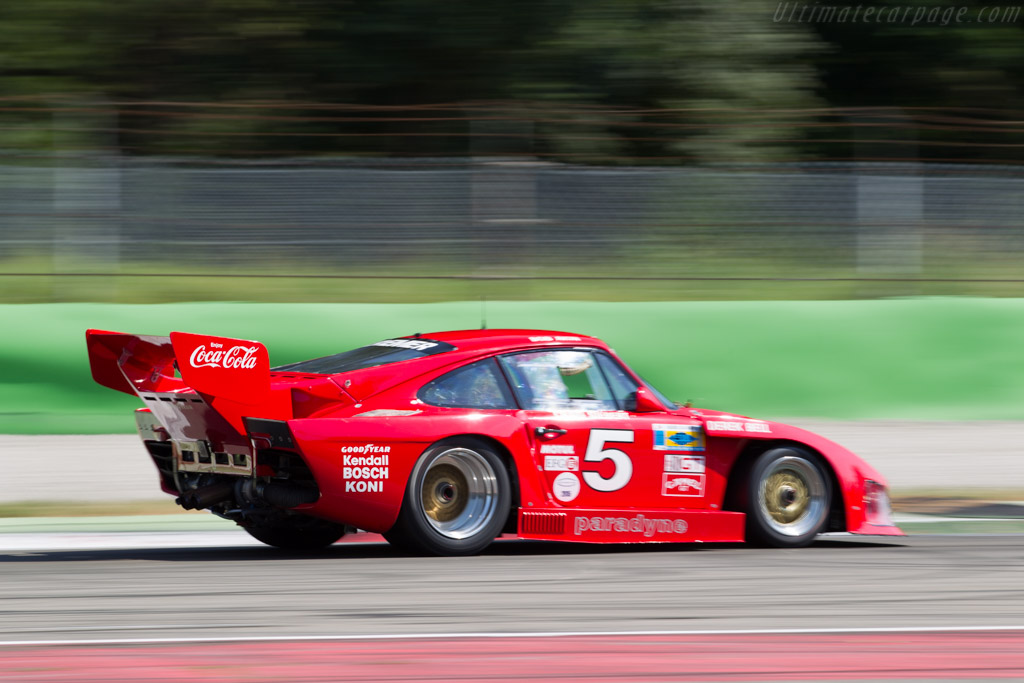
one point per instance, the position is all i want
(687, 612)
(918, 608)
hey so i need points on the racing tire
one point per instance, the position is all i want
(789, 497)
(456, 502)
(299, 532)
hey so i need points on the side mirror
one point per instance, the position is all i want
(647, 403)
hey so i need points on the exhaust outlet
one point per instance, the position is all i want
(206, 496)
(278, 494)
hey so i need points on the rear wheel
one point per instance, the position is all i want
(456, 501)
(789, 497)
(297, 532)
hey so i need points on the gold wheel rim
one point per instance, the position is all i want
(459, 495)
(787, 497)
(793, 497)
(445, 493)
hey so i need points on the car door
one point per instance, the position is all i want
(672, 446)
(594, 451)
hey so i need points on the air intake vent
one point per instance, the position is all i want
(548, 523)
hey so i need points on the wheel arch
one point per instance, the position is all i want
(735, 495)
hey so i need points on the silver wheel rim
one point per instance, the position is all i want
(459, 493)
(791, 496)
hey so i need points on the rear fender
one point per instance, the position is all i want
(362, 466)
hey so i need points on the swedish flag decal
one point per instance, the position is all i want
(684, 438)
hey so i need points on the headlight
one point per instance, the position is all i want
(877, 507)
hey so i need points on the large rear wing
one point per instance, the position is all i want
(231, 375)
(235, 369)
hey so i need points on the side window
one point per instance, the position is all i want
(558, 380)
(623, 386)
(477, 385)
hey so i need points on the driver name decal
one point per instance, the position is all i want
(754, 427)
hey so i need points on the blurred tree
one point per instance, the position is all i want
(594, 80)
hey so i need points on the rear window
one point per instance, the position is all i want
(381, 353)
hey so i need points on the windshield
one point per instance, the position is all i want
(381, 353)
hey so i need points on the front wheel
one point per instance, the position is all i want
(456, 501)
(789, 498)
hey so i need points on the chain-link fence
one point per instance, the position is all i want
(505, 218)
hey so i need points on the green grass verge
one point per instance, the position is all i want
(942, 359)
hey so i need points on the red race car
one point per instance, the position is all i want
(444, 441)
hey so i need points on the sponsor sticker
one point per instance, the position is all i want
(723, 426)
(558, 449)
(684, 485)
(689, 438)
(235, 358)
(684, 463)
(365, 467)
(630, 525)
(566, 487)
(561, 463)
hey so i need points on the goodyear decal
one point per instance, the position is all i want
(686, 438)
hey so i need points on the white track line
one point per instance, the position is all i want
(525, 634)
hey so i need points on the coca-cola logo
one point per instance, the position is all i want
(235, 358)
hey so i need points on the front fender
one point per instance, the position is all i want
(852, 473)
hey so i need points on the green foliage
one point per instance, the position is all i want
(599, 81)
(557, 58)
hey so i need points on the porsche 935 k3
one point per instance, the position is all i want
(442, 442)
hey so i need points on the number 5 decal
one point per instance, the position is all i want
(596, 452)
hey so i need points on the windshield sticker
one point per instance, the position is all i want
(411, 344)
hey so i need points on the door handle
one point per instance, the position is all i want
(550, 431)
